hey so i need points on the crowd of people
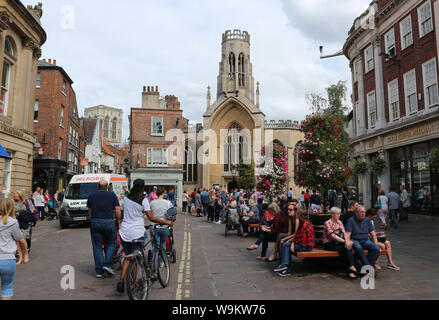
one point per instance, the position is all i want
(285, 223)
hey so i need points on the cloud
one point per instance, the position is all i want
(324, 20)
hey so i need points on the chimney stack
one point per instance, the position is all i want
(50, 61)
(54, 62)
(157, 89)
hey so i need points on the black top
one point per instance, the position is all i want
(315, 199)
(345, 217)
(102, 204)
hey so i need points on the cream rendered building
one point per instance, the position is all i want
(21, 37)
(237, 107)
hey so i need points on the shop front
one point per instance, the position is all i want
(410, 167)
(166, 178)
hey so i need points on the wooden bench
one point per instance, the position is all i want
(320, 253)
(256, 227)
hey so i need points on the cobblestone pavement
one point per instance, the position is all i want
(211, 266)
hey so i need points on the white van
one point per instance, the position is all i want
(74, 206)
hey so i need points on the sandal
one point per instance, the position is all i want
(253, 247)
(354, 275)
(260, 258)
(268, 260)
(393, 268)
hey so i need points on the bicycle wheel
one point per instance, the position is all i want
(161, 266)
(136, 281)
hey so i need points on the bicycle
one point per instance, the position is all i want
(143, 270)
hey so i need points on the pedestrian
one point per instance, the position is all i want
(405, 201)
(315, 200)
(10, 236)
(39, 204)
(394, 205)
(171, 196)
(307, 198)
(205, 201)
(102, 207)
(344, 200)
(197, 203)
(157, 216)
(302, 200)
(211, 207)
(153, 195)
(24, 211)
(383, 208)
(290, 194)
(185, 199)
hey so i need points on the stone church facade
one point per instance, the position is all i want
(235, 124)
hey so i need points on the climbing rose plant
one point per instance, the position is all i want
(273, 180)
(323, 154)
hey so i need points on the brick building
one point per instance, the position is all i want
(151, 158)
(395, 95)
(57, 128)
(21, 38)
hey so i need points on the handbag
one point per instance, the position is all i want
(377, 205)
(339, 233)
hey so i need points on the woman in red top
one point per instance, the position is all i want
(307, 198)
(303, 241)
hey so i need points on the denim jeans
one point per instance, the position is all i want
(393, 217)
(286, 257)
(341, 249)
(361, 245)
(7, 274)
(160, 237)
(268, 237)
(103, 229)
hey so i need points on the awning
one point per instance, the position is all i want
(4, 153)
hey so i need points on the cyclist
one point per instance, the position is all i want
(159, 209)
(134, 207)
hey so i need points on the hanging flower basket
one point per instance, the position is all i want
(434, 157)
(360, 168)
(377, 166)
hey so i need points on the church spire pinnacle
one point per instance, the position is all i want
(208, 97)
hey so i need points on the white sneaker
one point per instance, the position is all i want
(109, 270)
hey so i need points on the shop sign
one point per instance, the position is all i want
(419, 131)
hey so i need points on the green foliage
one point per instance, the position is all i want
(360, 168)
(434, 157)
(334, 104)
(246, 178)
(377, 166)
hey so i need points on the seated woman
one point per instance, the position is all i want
(252, 217)
(223, 214)
(280, 225)
(382, 242)
(334, 235)
(303, 241)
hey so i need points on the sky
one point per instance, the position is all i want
(111, 49)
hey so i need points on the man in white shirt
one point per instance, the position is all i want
(405, 202)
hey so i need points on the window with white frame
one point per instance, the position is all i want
(157, 157)
(36, 107)
(59, 149)
(7, 177)
(71, 135)
(406, 32)
(429, 73)
(64, 86)
(355, 66)
(157, 126)
(4, 95)
(368, 58)
(372, 109)
(425, 19)
(393, 99)
(389, 40)
(38, 80)
(410, 93)
(61, 121)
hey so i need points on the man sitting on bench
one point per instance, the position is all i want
(358, 230)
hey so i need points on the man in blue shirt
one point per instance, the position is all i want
(358, 229)
(205, 201)
(394, 204)
(102, 205)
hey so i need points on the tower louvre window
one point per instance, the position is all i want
(241, 70)
(232, 64)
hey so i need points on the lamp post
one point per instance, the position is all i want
(233, 169)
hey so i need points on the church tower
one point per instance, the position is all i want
(235, 70)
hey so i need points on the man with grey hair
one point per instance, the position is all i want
(358, 230)
(102, 206)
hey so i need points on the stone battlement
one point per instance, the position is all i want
(236, 35)
(282, 124)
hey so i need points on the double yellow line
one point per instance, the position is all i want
(184, 272)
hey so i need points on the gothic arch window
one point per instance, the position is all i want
(114, 129)
(232, 64)
(190, 172)
(241, 70)
(106, 127)
(297, 157)
(236, 147)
